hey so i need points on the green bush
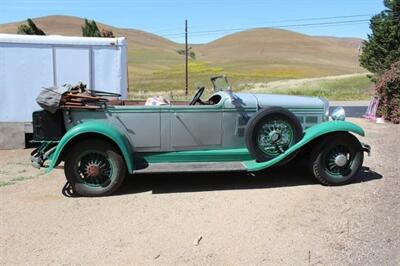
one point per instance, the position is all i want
(90, 29)
(30, 28)
(388, 90)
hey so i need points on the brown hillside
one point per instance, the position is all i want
(273, 46)
(71, 26)
(348, 42)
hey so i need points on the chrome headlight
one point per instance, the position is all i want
(338, 114)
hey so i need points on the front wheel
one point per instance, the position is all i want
(337, 159)
(94, 168)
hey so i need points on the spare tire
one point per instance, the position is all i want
(272, 131)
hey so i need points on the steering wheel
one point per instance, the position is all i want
(197, 96)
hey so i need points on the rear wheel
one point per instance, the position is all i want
(94, 168)
(337, 159)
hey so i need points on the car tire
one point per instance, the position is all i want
(94, 168)
(283, 128)
(325, 163)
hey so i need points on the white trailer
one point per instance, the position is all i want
(28, 63)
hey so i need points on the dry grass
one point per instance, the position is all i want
(344, 87)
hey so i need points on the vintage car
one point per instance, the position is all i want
(227, 132)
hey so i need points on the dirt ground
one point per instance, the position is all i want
(276, 217)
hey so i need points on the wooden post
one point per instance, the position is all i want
(186, 60)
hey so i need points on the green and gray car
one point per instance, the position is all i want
(227, 132)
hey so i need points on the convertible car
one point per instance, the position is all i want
(227, 132)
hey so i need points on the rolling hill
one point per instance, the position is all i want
(268, 48)
(71, 26)
(260, 55)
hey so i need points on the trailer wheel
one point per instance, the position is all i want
(271, 132)
(337, 159)
(94, 168)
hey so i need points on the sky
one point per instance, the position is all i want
(208, 19)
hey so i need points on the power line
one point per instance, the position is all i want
(273, 26)
(287, 26)
(229, 32)
(275, 21)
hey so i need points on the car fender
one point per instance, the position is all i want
(95, 127)
(309, 135)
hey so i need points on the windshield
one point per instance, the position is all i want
(220, 83)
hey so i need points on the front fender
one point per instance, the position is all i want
(309, 134)
(95, 127)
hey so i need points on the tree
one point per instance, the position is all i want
(382, 48)
(107, 33)
(90, 29)
(191, 53)
(30, 29)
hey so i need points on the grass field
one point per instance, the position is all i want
(144, 82)
(344, 87)
(170, 83)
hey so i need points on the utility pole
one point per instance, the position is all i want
(186, 60)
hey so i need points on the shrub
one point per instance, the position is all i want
(30, 29)
(388, 90)
(107, 33)
(90, 29)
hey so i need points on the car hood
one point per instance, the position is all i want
(285, 101)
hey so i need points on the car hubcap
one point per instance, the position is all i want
(341, 160)
(275, 136)
(338, 161)
(94, 169)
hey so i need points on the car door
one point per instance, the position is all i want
(142, 124)
(196, 127)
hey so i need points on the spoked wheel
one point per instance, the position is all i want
(94, 168)
(337, 159)
(271, 132)
(275, 136)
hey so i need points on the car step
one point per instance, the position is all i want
(192, 167)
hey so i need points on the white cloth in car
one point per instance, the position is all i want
(157, 100)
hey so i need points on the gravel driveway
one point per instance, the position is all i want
(277, 217)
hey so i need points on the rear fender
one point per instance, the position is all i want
(309, 135)
(104, 130)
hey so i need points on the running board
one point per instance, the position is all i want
(191, 167)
